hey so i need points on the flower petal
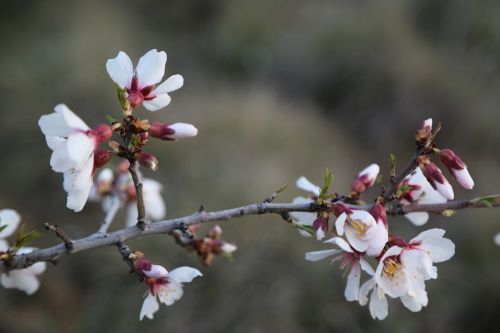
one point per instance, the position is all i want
(149, 307)
(171, 84)
(340, 224)
(121, 69)
(304, 184)
(11, 219)
(157, 103)
(351, 292)
(184, 274)
(151, 68)
(379, 308)
(156, 271)
(340, 242)
(319, 255)
(418, 218)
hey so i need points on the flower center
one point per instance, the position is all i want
(358, 226)
(391, 266)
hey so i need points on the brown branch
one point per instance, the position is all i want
(136, 177)
(68, 243)
(98, 240)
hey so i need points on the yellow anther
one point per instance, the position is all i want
(391, 266)
(359, 227)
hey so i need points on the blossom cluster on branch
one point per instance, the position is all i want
(361, 233)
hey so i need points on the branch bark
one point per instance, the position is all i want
(136, 177)
(98, 240)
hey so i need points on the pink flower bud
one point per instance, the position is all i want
(438, 182)
(101, 157)
(320, 225)
(379, 214)
(172, 132)
(457, 168)
(148, 160)
(339, 208)
(365, 179)
(103, 132)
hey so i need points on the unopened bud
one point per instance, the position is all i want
(148, 160)
(438, 181)
(320, 225)
(339, 208)
(457, 168)
(172, 132)
(379, 214)
(101, 157)
(365, 179)
(424, 131)
(103, 132)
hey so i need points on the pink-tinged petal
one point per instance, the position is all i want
(320, 255)
(379, 308)
(340, 224)
(427, 123)
(341, 243)
(121, 69)
(156, 271)
(171, 84)
(378, 240)
(445, 190)
(151, 68)
(184, 274)
(365, 266)
(183, 130)
(157, 103)
(418, 218)
(149, 307)
(364, 291)
(70, 118)
(351, 291)
(304, 184)
(371, 172)
(464, 178)
(11, 219)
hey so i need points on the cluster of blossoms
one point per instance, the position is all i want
(164, 287)
(401, 267)
(22, 279)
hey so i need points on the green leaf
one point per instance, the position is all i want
(23, 238)
(488, 200)
(110, 119)
(326, 185)
(379, 179)
(122, 97)
(307, 228)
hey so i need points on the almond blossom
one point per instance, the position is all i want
(305, 218)
(438, 181)
(73, 144)
(363, 232)
(164, 287)
(366, 178)
(140, 83)
(457, 168)
(416, 189)
(22, 279)
(350, 260)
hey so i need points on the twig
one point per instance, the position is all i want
(141, 211)
(68, 243)
(164, 227)
(110, 214)
(125, 253)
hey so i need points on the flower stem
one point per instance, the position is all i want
(141, 210)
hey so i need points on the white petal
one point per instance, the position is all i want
(120, 69)
(132, 214)
(61, 123)
(364, 290)
(80, 147)
(79, 187)
(304, 184)
(445, 190)
(340, 243)
(464, 178)
(55, 142)
(149, 307)
(171, 84)
(156, 271)
(157, 103)
(430, 233)
(497, 239)
(153, 201)
(183, 130)
(319, 255)
(360, 245)
(21, 280)
(171, 293)
(70, 118)
(184, 274)
(11, 219)
(371, 171)
(411, 303)
(366, 266)
(379, 308)
(418, 218)
(105, 176)
(151, 68)
(378, 241)
(352, 288)
(440, 249)
(228, 248)
(303, 218)
(320, 234)
(340, 224)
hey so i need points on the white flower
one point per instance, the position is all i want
(362, 231)
(165, 287)
(391, 276)
(73, 144)
(153, 203)
(305, 218)
(418, 190)
(140, 84)
(350, 259)
(366, 178)
(379, 308)
(23, 279)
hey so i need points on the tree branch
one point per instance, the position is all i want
(98, 240)
(136, 177)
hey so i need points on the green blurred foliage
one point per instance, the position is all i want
(278, 89)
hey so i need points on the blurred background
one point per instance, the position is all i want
(278, 89)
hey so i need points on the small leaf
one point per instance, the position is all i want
(487, 201)
(307, 228)
(110, 119)
(23, 238)
(326, 185)
(379, 179)
(122, 97)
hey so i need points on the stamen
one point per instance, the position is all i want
(391, 266)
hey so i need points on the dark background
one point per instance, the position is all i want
(278, 89)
